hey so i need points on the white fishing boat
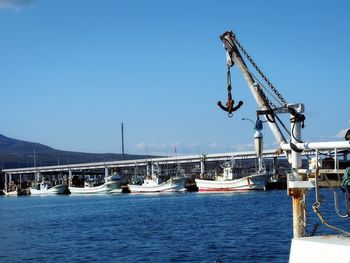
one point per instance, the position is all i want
(111, 183)
(232, 180)
(11, 192)
(152, 184)
(44, 189)
(16, 191)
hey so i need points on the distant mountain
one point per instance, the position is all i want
(16, 153)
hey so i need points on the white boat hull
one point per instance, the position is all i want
(11, 193)
(172, 185)
(116, 191)
(17, 192)
(57, 189)
(251, 182)
(320, 249)
(101, 189)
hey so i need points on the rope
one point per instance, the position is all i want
(345, 187)
(293, 128)
(345, 182)
(284, 126)
(316, 207)
(346, 178)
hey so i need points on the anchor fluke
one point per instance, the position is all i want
(229, 106)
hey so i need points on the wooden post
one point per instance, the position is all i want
(298, 212)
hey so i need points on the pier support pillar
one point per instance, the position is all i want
(36, 176)
(335, 159)
(202, 165)
(149, 168)
(70, 177)
(275, 168)
(6, 181)
(274, 165)
(106, 172)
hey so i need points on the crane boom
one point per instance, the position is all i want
(234, 57)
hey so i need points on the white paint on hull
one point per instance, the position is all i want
(57, 189)
(252, 182)
(320, 249)
(101, 189)
(172, 185)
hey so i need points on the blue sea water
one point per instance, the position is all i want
(178, 227)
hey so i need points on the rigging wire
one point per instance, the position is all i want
(268, 101)
(258, 69)
(263, 86)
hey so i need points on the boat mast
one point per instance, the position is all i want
(123, 155)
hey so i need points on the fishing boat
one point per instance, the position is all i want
(232, 180)
(153, 184)
(44, 189)
(111, 183)
(16, 191)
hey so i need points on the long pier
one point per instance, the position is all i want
(201, 159)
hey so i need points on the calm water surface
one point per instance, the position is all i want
(179, 227)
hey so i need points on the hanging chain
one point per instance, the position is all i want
(229, 106)
(229, 103)
(269, 92)
(266, 99)
(228, 82)
(258, 69)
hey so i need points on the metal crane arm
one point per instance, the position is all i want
(234, 57)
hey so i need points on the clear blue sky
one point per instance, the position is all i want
(72, 71)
